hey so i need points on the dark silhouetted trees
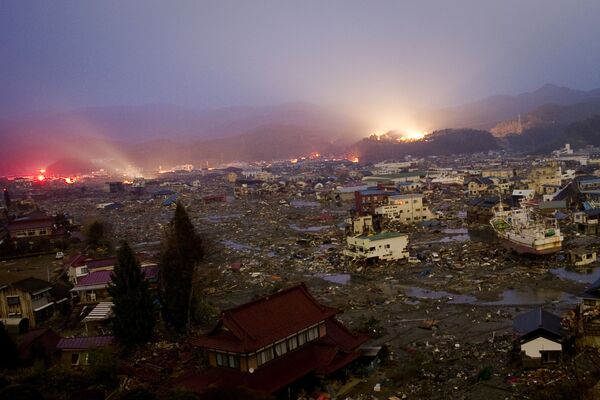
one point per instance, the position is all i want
(7, 201)
(9, 355)
(182, 250)
(133, 308)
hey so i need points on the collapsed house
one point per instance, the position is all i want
(384, 246)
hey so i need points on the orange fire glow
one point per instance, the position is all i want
(355, 159)
(41, 178)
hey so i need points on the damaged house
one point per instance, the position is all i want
(383, 246)
(540, 337)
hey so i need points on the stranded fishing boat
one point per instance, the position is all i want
(525, 232)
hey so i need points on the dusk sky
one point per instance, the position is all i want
(362, 55)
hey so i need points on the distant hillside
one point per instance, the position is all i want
(489, 112)
(549, 116)
(445, 142)
(263, 143)
(166, 134)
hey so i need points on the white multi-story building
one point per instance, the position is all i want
(384, 168)
(382, 246)
(406, 208)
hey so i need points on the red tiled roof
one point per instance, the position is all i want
(266, 320)
(321, 357)
(343, 338)
(18, 225)
(84, 342)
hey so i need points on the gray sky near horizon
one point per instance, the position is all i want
(374, 57)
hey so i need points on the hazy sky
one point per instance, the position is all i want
(367, 55)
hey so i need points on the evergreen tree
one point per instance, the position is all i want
(181, 252)
(8, 349)
(96, 233)
(133, 308)
(7, 201)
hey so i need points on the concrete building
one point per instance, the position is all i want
(587, 221)
(360, 225)
(386, 168)
(479, 186)
(406, 208)
(365, 201)
(413, 176)
(504, 173)
(545, 175)
(387, 246)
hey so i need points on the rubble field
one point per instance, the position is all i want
(446, 319)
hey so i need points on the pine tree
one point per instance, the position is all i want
(8, 350)
(96, 233)
(182, 250)
(7, 201)
(133, 308)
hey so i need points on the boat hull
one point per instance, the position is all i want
(523, 249)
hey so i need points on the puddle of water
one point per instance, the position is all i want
(456, 231)
(584, 275)
(440, 294)
(509, 297)
(537, 296)
(309, 228)
(239, 246)
(303, 203)
(455, 238)
(219, 218)
(340, 279)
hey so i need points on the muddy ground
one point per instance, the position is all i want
(472, 287)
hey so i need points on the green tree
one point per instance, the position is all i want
(182, 250)
(7, 201)
(133, 308)
(8, 350)
(95, 233)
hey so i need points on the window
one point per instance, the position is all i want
(265, 356)
(234, 362)
(387, 246)
(302, 338)
(372, 249)
(292, 343)
(13, 300)
(280, 348)
(227, 360)
(550, 357)
(313, 333)
(75, 359)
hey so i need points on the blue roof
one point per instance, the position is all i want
(372, 192)
(170, 200)
(537, 319)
